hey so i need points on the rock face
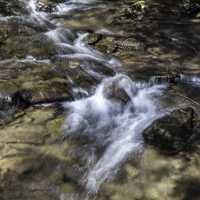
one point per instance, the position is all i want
(174, 132)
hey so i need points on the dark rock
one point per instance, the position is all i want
(115, 93)
(174, 132)
(14, 7)
(93, 38)
(18, 99)
(21, 98)
(115, 90)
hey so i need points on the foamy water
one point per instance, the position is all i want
(37, 17)
(115, 115)
(117, 126)
(191, 79)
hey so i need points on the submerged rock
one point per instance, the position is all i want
(156, 176)
(32, 163)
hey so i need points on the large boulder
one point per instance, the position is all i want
(174, 132)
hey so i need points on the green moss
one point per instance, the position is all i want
(54, 126)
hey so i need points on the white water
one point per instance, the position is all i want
(62, 8)
(85, 53)
(37, 17)
(190, 79)
(83, 1)
(60, 36)
(117, 126)
(31, 59)
(71, 5)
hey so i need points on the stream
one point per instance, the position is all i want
(115, 126)
(110, 112)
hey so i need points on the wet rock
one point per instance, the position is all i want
(48, 92)
(48, 5)
(117, 91)
(93, 38)
(5, 102)
(105, 44)
(20, 46)
(112, 92)
(190, 8)
(153, 44)
(76, 73)
(174, 132)
(33, 82)
(20, 25)
(21, 98)
(10, 103)
(32, 165)
(7, 108)
(171, 78)
(15, 7)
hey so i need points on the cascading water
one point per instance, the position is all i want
(38, 17)
(116, 122)
(82, 52)
(100, 156)
(60, 37)
(114, 116)
(190, 79)
(71, 5)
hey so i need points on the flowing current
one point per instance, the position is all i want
(114, 116)
(114, 124)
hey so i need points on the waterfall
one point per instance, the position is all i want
(115, 115)
(113, 122)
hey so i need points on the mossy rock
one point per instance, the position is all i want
(174, 132)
